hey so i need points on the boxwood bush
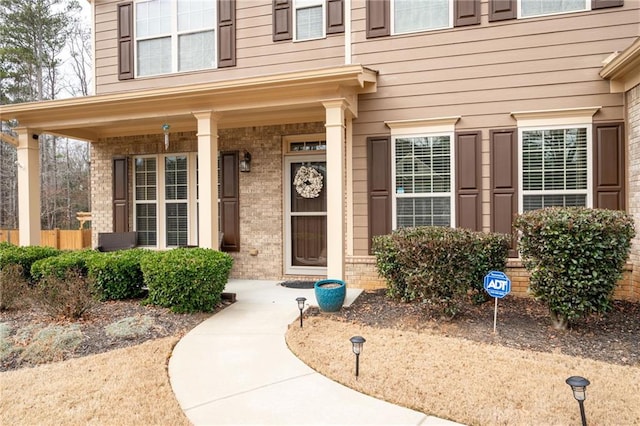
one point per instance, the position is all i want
(186, 279)
(25, 256)
(117, 275)
(60, 265)
(575, 257)
(438, 265)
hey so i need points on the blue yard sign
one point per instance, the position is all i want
(497, 284)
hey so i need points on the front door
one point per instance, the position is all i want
(306, 215)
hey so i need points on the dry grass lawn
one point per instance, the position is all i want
(471, 383)
(127, 386)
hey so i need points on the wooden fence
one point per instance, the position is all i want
(63, 239)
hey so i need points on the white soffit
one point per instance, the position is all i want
(555, 117)
(423, 125)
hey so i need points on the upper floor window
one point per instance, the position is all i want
(420, 15)
(529, 8)
(309, 19)
(174, 35)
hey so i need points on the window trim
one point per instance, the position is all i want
(392, 15)
(587, 8)
(310, 3)
(174, 34)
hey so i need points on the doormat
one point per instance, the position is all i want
(298, 284)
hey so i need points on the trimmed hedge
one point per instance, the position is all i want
(439, 265)
(117, 275)
(60, 265)
(186, 279)
(25, 256)
(575, 256)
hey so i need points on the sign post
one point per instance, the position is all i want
(498, 285)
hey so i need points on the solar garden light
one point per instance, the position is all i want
(579, 387)
(301, 301)
(357, 342)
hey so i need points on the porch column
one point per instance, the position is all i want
(28, 187)
(208, 179)
(335, 133)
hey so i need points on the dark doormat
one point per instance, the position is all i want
(298, 284)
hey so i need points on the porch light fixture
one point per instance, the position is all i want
(579, 387)
(165, 130)
(301, 301)
(245, 163)
(357, 342)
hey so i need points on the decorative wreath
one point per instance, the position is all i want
(308, 182)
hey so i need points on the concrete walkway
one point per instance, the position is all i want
(235, 368)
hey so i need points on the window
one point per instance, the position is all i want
(176, 176)
(530, 8)
(174, 35)
(423, 180)
(309, 19)
(420, 15)
(555, 167)
(146, 216)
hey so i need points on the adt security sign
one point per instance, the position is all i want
(497, 284)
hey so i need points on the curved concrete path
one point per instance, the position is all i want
(235, 368)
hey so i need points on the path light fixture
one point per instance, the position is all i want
(357, 342)
(301, 301)
(579, 387)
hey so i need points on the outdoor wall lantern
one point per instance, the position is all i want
(301, 301)
(357, 342)
(165, 130)
(579, 387)
(245, 163)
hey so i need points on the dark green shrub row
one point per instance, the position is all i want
(58, 266)
(117, 275)
(5, 245)
(25, 257)
(438, 265)
(575, 257)
(186, 279)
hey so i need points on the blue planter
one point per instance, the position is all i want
(330, 294)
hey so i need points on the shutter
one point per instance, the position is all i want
(125, 41)
(466, 12)
(282, 20)
(379, 185)
(226, 33)
(603, 4)
(504, 183)
(229, 201)
(335, 16)
(120, 198)
(608, 152)
(501, 10)
(378, 18)
(468, 180)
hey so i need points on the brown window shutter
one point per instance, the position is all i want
(335, 16)
(502, 10)
(504, 182)
(379, 185)
(226, 33)
(378, 18)
(468, 180)
(120, 194)
(466, 12)
(230, 201)
(603, 4)
(608, 171)
(125, 41)
(282, 20)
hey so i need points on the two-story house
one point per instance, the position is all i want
(296, 130)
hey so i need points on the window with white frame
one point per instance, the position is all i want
(423, 180)
(420, 15)
(146, 212)
(174, 36)
(530, 8)
(554, 167)
(309, 19)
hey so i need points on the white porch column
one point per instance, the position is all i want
(208, 179)
(28, 187)
(335, 132)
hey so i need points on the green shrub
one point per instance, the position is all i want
(438, 265)
(69, 295)
(13, 287)
(5, 245)
(575, 257)
(59, 265)
(186, 279)
(117, 275)
(25, 256)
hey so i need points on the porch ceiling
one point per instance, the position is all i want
(276, 99)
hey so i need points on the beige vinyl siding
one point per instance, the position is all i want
(483, 73)
(257, 54)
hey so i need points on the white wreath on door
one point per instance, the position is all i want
(308, 182)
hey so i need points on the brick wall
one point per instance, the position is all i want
(633, 180)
